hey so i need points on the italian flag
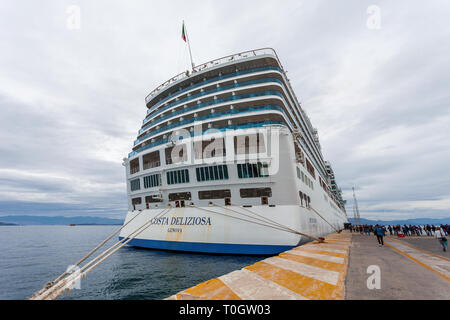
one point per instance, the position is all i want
(183, 33)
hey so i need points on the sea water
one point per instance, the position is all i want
(30, 256)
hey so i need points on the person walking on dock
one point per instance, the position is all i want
(440, 235)
(380, 233)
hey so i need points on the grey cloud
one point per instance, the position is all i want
(72, 101)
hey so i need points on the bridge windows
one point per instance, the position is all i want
(152, 181)
(256, 193)
(176, 154)
(134, 166)
(214, 194)
(177, 176)
(135, 202)
(153, 199)
(180, 198)
(135, 184)
(304, 199)
(310, 169)
(253, 170)
(302, 176)
(210, 148)
(212, 173)
(151, 160)
(249, 144)
(264, 201)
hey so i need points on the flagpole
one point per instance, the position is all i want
(189, 45)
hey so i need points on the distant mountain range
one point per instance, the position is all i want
(7, 224)
(59, 220)
(417, 221)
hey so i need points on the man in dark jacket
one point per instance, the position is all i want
(380, 233)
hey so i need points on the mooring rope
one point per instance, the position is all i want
(93, 250)
(282, 228)
(309, 207)
(275, 222)
(58, 288)
(261, 218)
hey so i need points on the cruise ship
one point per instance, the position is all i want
(227, 162)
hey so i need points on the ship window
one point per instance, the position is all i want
(256, 192)
(212, 173)
(152, 181)
(264, 201)
(249, 144)
(135, 184)
(214, 194)
(134, 166)
(136, 201)
(177, 176)
(180, 196)
(210, 148)
(225, 172)
(153, 199)
(310, 168)
(151, 160)
(176, 154)
(301, 197)
(253, 170)
(220, 172)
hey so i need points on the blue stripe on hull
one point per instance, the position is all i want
(223, 248)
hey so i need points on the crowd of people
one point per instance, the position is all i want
(439, 232)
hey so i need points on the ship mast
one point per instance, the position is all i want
(355, 209)
(189, 46)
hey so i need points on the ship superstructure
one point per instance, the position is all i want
(227, 161)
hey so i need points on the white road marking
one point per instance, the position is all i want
(250, 286)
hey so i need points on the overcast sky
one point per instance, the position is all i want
(374, 77)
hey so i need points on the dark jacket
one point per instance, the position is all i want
(379, 231)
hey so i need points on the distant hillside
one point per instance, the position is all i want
(417, 221)
(7, 224)
(44, 220)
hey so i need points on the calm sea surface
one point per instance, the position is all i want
(30, 256)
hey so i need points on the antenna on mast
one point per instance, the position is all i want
(355, 209)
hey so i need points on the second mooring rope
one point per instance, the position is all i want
(65, 283)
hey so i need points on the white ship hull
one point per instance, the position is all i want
(225, 231)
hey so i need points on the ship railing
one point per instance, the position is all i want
(249, 125)
(213, 63)
(210, 116)
(201, 94)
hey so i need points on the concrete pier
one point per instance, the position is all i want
(312, 271)
(341, 268)
(414, 268)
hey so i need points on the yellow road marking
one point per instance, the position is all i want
(323, 248)
(327, 253)
(321, 257)
(307, 287)
(338, 267)
(425, 251)
(321, 274)
(419, 262)
(250, 286)
(213, 289)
